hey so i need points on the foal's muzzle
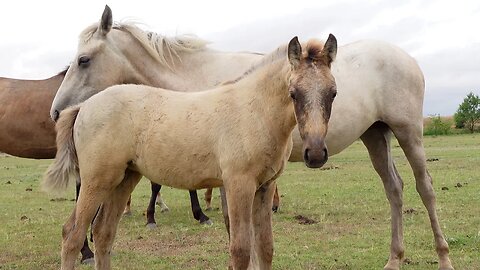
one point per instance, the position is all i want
(315, 154)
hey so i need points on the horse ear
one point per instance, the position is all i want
(329, 51)
(294, 52)
(106, 21)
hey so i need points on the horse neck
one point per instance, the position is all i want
(267, 88)
(190, 71)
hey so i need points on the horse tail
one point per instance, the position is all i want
(64, 169)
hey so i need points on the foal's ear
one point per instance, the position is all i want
(106, 21)
(294, 52)
(329, 51)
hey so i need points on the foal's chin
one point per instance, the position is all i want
(315, 164)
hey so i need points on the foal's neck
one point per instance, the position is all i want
(267, 86)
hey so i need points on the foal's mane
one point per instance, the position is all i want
(164, 49)
(312, 48)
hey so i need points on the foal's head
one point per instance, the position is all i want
(312, 89)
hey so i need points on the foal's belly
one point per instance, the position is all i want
(186, 173)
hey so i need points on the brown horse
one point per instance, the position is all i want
(26, 129)
(238, 135)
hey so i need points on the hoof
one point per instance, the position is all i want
(151, 226)
(206, 222)
(275, 209)
(208, 208)
(165, 209)
(88, 261)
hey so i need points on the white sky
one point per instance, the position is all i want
(39, 38)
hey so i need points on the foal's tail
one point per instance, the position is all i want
(64, 170)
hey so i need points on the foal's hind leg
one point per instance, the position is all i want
(87, 254)
(106, 222)
(410, 139)
(377, 141)
(75, 228)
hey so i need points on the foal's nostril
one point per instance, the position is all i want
(55, 115)
(305, 155)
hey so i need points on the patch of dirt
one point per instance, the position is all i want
(332, 167)
(458, 185)
(444, 188)
(168, 245)
(28, 189)
(410, 211)
(410, 262)
(8, 183)
(305, 220)
(24, 218)
(58, 200)
(432, 159)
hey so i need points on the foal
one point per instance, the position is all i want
(237, 135)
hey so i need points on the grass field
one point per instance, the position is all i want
(352, 229)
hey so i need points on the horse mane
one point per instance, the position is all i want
(312, 48)
(164, 49)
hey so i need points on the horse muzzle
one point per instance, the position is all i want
(315, 154)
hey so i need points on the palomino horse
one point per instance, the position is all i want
(381, 94)
(237, 135)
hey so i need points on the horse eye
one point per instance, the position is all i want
(334, 94)
(83, 61)
(292, 95)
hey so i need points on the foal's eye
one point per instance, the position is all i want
(292, 95)
(83, 61)
(334, 94)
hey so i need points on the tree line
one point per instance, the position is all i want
(466, 118)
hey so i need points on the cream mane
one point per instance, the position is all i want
(163, 49)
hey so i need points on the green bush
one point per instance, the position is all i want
(437, 126)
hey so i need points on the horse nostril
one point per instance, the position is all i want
(325, 153)
(305, 155)
(55, 115)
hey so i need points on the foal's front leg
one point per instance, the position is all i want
(240, 192)
(262, 222)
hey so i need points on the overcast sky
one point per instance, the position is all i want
(39, 38)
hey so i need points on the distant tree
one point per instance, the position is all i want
(437, 126)
(468, 113)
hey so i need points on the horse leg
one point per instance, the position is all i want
(377, 141)
(276, 200)
(87, 254)
(208, 199)
(151, 223)
(226, 220)
(76, 227)
(128, 210)
(240, 195)
(197, 210)
(160, 202)
(262, 222)
(410, 139)
(106, 223)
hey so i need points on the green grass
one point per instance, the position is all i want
(348, 203)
